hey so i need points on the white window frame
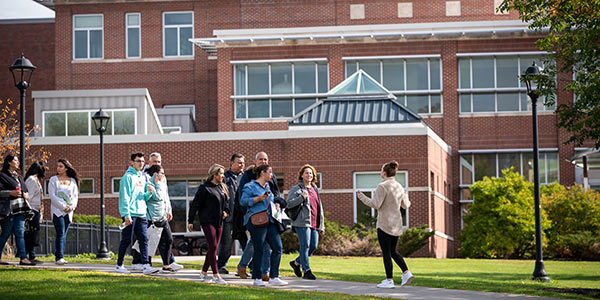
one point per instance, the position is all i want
(127, 27)
(270, 96)
(402, 95)
(177, 129)
(521, 89)
(112, 185)
(188, 201)
(164, 33)
(90, 121)
(87, 29)
(372, 190)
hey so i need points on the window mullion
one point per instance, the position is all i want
(66, 124)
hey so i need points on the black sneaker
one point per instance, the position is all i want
(296, 268)
(168, 270)
(309, 275)
(223, 270)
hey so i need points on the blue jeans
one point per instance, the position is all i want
(61, 226)
(308, 238)
(270, 235)
(16, 224)
(139, 226)
(249, 253)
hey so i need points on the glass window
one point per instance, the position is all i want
(484, 103)
(54, 124)
(372, 68)
(436, 103)
(485, 165)
(109, 125)
(417, 74)
(464, 70)
(88, 36)
(78, 123)
(466, 169)
(177, 30)
(240, 108)
(393, 74)
(124, 122)
(133, 35)
(258, 79)
(116, 184)
(507, 160)
(304, 78)
(418, 103)
(552, 166)
(281, 108)
(258, 108)
(483, 72)
(323, 77)
(465, 102)
(367, 183)
(86, 186)
(508, 101)
(434, 68)
(507, 72)
(350, 68)
(240, 79)
(281, 79)
(302, 104)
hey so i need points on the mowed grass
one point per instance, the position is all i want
(502, 276)
(17, 283)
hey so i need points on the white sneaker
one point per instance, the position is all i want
(137, 267)
(122, 270)
(218, 280)
(148, 270)
(259, 282)
(277, 281)
(386, 284)
(407, 278)
(204, 277)
(176, 266)
(61, 262)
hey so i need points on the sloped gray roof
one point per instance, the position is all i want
(355, 110)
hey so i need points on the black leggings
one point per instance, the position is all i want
(388, 249)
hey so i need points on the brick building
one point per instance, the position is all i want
(244, 71)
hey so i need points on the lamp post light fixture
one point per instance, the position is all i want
(101, 119)
(531, 77)
(21, 70)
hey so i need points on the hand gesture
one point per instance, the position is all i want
(67, 209)
(225, 215)
(16, 193)
(150, 188)
(305, 194)
(128, 222)
(169, 217)
(190, 227)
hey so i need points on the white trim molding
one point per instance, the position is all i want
(443, 235)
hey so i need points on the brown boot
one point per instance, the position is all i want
(265, 277)
(242, 272)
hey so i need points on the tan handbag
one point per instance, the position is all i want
(259, 219)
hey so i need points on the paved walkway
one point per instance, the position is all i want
(321, 285)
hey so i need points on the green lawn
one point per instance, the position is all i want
(506, 276)
(21, 284)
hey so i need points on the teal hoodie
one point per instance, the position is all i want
(133, 194)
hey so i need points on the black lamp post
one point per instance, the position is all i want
(100, 122)
(532, 74)
(23, 69)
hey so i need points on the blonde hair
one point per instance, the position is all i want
(212, 171)
(307, 166)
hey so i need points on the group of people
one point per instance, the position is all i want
(21, 206)
(230, 204)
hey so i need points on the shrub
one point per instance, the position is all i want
(341, 240)
(95, 219)
(575, 221)
(500, 222)
(414, 239)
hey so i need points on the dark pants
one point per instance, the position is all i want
(259, 236)
(140, 228)
(226, 243)
(33, 235)
(388, 249)
(61, 226)
(164, 248)
(213, 236)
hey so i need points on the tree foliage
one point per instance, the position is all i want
(573, 40)
(9, 135)
(500, 223)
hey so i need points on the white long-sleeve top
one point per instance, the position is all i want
(387, 199)
(34, 188)
(58, 203)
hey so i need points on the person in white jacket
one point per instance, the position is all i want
(387, 199)
(35, 173)
(64, 193)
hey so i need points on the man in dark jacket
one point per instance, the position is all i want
(232, 180)
(261, 159)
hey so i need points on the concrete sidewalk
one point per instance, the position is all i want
(320, 285)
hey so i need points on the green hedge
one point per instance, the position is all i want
(95, 219)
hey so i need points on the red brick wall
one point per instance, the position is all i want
(36, 41)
